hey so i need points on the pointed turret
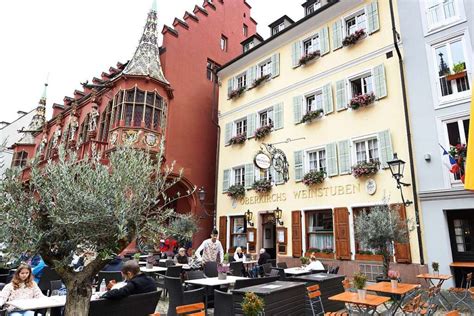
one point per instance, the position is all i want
(146, 61)
(37, 122)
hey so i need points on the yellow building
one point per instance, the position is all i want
(297, 91)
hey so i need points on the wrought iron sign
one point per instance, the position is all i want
(277, 160)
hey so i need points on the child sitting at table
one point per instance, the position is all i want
(22, 286)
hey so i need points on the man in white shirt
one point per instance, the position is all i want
(315, 265)
(211, 249)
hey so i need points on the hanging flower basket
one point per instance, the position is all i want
(260, 80)
(236, 93)
(314, 177)
(309, 57)
(353, 38)
(312, 115)
(365, 168)
(459, 153)
(362, 100)
(237, 140)
(236, 191)
(262, 186)
(263, 131)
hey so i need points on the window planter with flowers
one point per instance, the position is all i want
(312, 115)
(260, 80)
(314, 177)
(262, 186)
(367, 255)
(327, 253)
(459, 153)
(365, 168)
(352, 39)
(263, 131)
(362, 100)
(236, 191)
(238, 139)
(236, 93)
(459, 71)
(310, 57)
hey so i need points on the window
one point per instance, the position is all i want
(20, 159)
(359, 246)
(245, 30)
(356, 22)
(266, 117)
(239, 176)
(265, 68)
(248, 46)
(319, 230)
(211, 70)
(311, 45)
(241, 81)
(313, 7)
(367, 150)
(238, 235)
(451, 65)
(314, 102)
(317, 160)
(458, 133)
(241, 127)
(277, 29)
(265, 174)
(223, 43)
(361, 85)
(440, 12)
(461, 233)
(105, 123)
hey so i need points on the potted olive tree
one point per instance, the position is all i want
(435, 266)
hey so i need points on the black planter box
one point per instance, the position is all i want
(287, 299)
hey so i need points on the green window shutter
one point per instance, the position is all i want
(324, 40)
(296, 54)
(341, 95)
(226, 180)
(278, 116)
(298, 108)
(250, 77)
(327, 99)
(299, 166)
(228, 132)
(337, 35)
(385, 147)
(380, 85)
(230, 85)
(275, 65)
(331, 159)
(372, 17)
(251, 124)
(344, 157)
(249, 175)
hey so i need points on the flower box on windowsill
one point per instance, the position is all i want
(457, 75)
(365, 168)
(263, 131)
(236, 93)
(314, 177)
(353, 38)
(362, 100)
(366, 257)
(262, 186)
(237, 140)
(260, 80)
(310, 57)
(320, 254)
(312, 115)
(236, 191)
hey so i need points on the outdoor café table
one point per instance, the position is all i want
(297, 271)
(368, 306)
(397, 294)
(441, 278)
(153, 270)
(210, 282)
(279, 297)
(44, 302)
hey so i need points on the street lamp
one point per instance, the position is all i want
(248, 217)
(397, 166)
(278, 216)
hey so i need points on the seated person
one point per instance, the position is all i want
(239, 255)
(115, 265)
(137, 282)
(315, 264)
(37, 267)
(181, 257)
(262, 259)
(22, 286)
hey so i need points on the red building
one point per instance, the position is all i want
(168, 90)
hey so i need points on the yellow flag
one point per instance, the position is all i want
(469, 176)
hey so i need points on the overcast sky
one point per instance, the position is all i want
(75, 40)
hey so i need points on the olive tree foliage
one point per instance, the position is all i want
(69, 203)
(379, 228)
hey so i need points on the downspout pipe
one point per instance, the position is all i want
(396, 37)
(215, 121)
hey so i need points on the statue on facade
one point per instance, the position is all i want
(42, 145)
(93, 118)
(73, 126)
(56, 136)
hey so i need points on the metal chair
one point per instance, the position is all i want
(267, 268)
(223, 303)
(273, 262)
(178, 296)
(210, 269)
(314, 297)
(282, 265)
(236, 268)
(462, 294)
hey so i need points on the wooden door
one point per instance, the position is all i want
(297, 246)
(341, 229)
(402, 251)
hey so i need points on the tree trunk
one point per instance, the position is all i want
(78, 298)
(386, 262)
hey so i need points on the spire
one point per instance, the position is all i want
(37, 121)
(146, 61)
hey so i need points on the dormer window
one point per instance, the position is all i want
(277, 29)
(20, 159)
(313, 7)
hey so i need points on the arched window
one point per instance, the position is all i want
(50, 147)
(83, 130)
(106, 120)
(20, 159)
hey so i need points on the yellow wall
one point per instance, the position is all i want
(344, 190)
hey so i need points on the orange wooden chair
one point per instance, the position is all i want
(414, 306)
(453, 313)
(314, 296)
(461, 294)
(197, 309)
(336, 314)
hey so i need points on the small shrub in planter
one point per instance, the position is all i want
(239, 139)
(262, 186)
(362, 100)
(260, 80)
(236, 191)
(252, 304)
(263, 131)
(353, 38)
(328, 250)
(313, 177)
(236, 93)
(310, 56)
(312, 115)
(304, 260)
(365, 168)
